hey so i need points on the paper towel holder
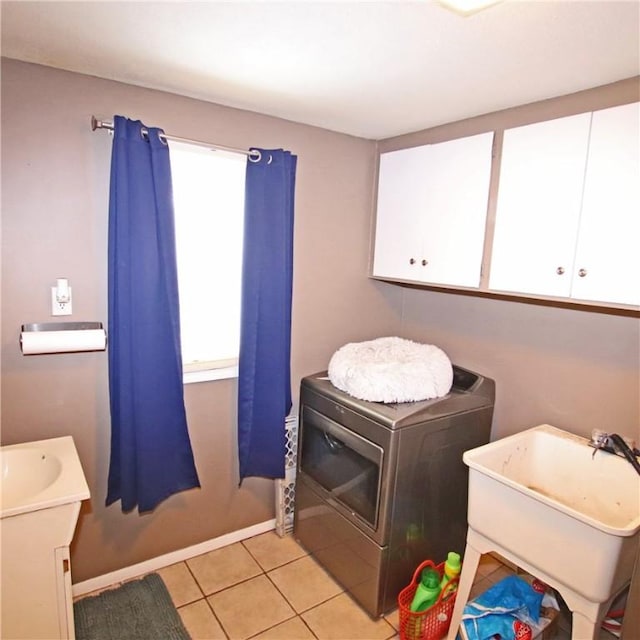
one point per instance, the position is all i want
(75, 327)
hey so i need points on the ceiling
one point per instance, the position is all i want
(370, 69)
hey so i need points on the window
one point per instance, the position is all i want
(208, 194)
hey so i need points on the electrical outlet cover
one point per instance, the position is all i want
(60, 308)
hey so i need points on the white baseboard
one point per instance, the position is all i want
(121, 575)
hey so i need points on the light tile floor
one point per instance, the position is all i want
(269, 588)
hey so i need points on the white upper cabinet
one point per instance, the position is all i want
(431, 214)
(607, 262)
(538, 208)
(568, 210)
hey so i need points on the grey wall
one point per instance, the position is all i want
(573, 368)
(55, 177)
(576, 370)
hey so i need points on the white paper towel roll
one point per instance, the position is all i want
(34, 342)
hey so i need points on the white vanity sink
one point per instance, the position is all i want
(26, 472)
(38, 475)
(558, 508)
(42, 487)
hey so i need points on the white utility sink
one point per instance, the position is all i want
(42, 487)
(556, 507)
(562, 471)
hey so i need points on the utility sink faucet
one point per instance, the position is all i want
(614, 443)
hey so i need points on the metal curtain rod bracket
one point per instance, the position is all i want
(252, 154)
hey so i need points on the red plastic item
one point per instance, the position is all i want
(433, 623)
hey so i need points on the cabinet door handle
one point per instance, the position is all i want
(560, 270)
(424, 262)
(582, 273)
(412, 261)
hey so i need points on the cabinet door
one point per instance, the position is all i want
(432, 207)
(64, 593)
(538, 208)
(607, 264)
(401, 199)
(455, 219)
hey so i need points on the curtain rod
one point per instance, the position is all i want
(253, 154)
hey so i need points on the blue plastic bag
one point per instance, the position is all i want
(507, 611)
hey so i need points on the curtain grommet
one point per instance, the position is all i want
(254, 155)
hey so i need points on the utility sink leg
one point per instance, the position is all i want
(582, 628)
(467, 576)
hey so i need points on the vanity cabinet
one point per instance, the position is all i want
(37, 601)
(43, 485)
(431, 214)
(568, 209)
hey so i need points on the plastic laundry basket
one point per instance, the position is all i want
(433, 623)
